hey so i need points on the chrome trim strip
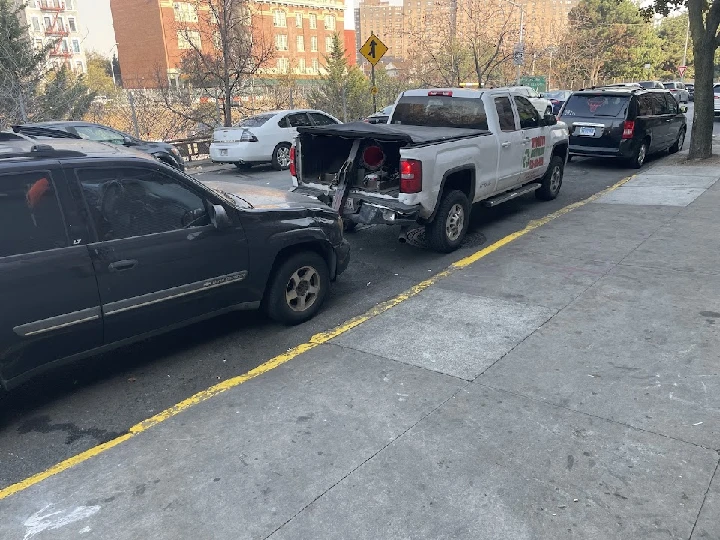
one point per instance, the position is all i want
(148, 299)
(58, 322)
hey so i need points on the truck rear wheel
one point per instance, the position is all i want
(552, 181)
(448, 229)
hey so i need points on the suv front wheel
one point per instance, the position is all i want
(298, 288)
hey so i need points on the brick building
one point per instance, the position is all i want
(386, 21)
(153, 35)
(56, 21)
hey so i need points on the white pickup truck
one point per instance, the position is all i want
(442, 151)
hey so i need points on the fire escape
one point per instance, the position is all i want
(56, 29)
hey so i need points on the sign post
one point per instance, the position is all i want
(373, 51)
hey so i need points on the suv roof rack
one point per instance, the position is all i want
(34, 151)
(36, 131)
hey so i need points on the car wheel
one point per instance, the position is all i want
(551, 181)
(281, 157)
(243, 166)
(675, 148)
(298, 288)
(638, 159)
(448, 229)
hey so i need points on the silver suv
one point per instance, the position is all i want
(678, 90)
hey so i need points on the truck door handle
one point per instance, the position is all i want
(526, 140)
(505, 144)
(125, 264)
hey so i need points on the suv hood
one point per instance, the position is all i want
(265, 198)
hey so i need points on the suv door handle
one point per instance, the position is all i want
(125, 264)
(505, 144)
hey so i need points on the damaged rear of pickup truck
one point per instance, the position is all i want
(443, 150)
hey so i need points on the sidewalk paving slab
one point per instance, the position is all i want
(493, 465)
(708, 523)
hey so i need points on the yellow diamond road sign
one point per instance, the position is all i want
(374, 49)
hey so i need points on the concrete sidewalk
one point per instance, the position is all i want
(564, 386)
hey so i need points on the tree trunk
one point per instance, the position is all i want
(703, 117)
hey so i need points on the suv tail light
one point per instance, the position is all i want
(628, 129)
(292, 168)
(410, 176)
(247, 136)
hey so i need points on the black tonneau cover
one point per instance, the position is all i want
(393, 132)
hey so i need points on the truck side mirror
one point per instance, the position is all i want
(550, 120)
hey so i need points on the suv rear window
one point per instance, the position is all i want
(441, 111)
(601, 105)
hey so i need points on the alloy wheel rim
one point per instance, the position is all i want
(302, 289)
(555, 180)
(455, 222)
(283, 156)
(641, 155)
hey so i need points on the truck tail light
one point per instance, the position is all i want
(292, 168)
(628, 129)
(410, 176)
(446, 93)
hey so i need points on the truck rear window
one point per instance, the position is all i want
(600, 105)
(441, 111)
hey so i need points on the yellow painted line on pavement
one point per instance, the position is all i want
(314, 341)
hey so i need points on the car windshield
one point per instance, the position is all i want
(255, 121)
(560, 95)
(441, 111)
(600, 105)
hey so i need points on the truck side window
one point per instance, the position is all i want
(529, 117)
(30, 214)
(505, 114)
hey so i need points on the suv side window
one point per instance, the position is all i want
(645, 105)
(672, 104)
(529, 117)
(30, 213)
(660, 106)
(298, 119)
(136, 202)
(321, 119)
(505, 114)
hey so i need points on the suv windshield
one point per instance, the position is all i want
(255, 121)
(600, 105)
(441, 111)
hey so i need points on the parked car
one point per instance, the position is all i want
(381, 117)
(443, 150)
(264, 138)
(161, 151)
(678, 90)
(624, 123)
(691, 91)
(104, 246)
(716, 96)
(557, 98)
(651, 84)
(542, 105)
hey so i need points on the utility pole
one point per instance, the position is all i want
(131, 99)
(687, 38)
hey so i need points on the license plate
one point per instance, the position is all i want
(223, 152)
(350, 205)
(587, 131)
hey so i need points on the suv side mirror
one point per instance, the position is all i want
(550, 119)
(219, 217)
(127, 141)
(683, 108)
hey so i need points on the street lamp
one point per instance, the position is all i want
(521, 46)
(112, 63)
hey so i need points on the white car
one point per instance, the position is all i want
(716, 96)
(264, 138)
(542, 105)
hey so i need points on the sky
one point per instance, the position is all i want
(100, 35)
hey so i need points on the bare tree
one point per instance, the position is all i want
(223, 49)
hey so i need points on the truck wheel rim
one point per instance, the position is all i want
(641, 155)
(302, 289)
(283, 156)
(455, 222)
(555, 180)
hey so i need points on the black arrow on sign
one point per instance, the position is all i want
(373, 44)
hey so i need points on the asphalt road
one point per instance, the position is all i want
(73, 409)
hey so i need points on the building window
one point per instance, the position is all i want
(71, 24)
(300, 44)
(315, 65)
(47, 23)
(329, 22)
(313, 21)
(60, 24)
(301, 65)
(65, 47)
(38, 43)
(328, 44)
(76, 46)
(279, 18)
(36, 24)
(79, 67)
(185, 12)
(189, 39)
(313, 43)
(69, 5)
(283, 65)
(298, 20)
(281, 42)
